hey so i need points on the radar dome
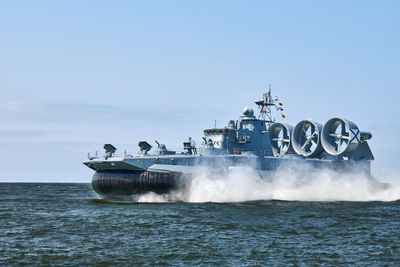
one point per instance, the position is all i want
(248, 112)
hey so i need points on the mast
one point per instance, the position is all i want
(265, 107)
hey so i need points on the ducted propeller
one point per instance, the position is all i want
(306, 139)
(340, 136)
(279, 135)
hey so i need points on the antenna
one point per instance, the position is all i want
(266, 105)
(215, 124)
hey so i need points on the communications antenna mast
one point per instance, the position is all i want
(266, 105)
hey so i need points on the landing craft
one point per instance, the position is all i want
(260, 142)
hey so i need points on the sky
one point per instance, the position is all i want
(77, 74)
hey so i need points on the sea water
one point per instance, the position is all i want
(68, 224)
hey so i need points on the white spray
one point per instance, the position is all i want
(297, 183)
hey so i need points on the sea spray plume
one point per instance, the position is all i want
(235, 185)
(306, 184)
(214, 181)
(300, 182)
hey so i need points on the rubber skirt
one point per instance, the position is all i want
(120, 183)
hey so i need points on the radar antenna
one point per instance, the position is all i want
(266, 106)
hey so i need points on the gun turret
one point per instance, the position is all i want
(162, 149)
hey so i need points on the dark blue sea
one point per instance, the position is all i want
(68, 224)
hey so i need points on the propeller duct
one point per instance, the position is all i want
(279, 136)
(306, 138)
(340, 137)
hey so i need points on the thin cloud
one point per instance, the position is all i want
(85, 122)
(78, 112)
(19, 107)
(27, 133)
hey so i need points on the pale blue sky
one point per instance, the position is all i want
(77, 74)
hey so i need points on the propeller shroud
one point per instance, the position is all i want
(280, 138)
(340, 137)
(306, 138)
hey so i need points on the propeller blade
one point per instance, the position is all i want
(339, 144)
(313, 142)
(281, 152)
(314, 137)
(343, 128)
(305, 144)
(314, 134)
